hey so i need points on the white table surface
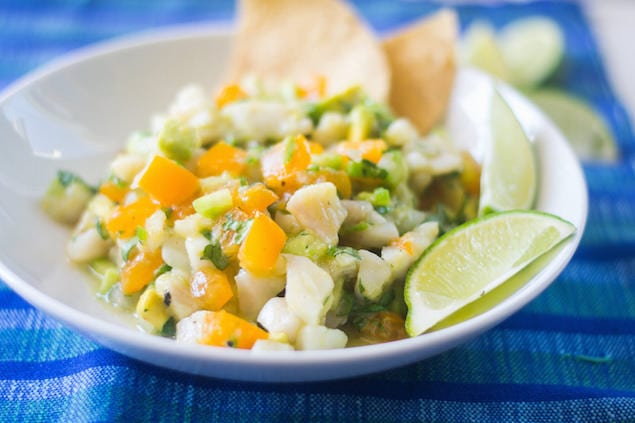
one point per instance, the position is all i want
(613, 22)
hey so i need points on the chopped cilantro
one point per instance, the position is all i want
(164, 268)
(66, 179)
(127, 248)
(169, 328)
(214, 253)
(289, 149)
(240, 227)
(168, 211)
(366, 169)
(103, 233)
(358, 227)
(336, 251)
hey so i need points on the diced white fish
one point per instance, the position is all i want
(309, 289)
(175, 287)
(190, 329)
(317, 207)
(373, 277)
(265, 119)
(254, 291)
(155, 230)
(269, 345)
(277, 317)
(317, 337)
(174, 254)
(400, 259)
(87, 246)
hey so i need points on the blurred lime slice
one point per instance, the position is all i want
(479, 48)
(509, 176)
(532, 49)
(473, 259)
(585, 130)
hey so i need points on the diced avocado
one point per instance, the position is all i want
(406, 218)
(362, 123)
(341, 102)
(111, 277)
(177, 141)
(330, 160)
(382, 115)
(396, 167)
(307, 244)
(151, 308)
(366, 169)
(214, 204)
(107, 273)
(67, 197)
(380, 197)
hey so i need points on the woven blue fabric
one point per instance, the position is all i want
(569, 356)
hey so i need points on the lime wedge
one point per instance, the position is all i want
(473, 259)
(479, 48)
(532, 49)
(509, 173)
(585, 130)
(501, 292)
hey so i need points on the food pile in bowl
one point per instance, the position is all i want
(326, 212)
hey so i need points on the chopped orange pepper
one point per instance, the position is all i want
(404, 244)
(222, 157)
(139, 272)
(125, 219)
(316, 148)
(371, 150)
(167, 182)
(211, 287)
(263, 243)
(229, 94)
(113, 191)
(223, 329)
(284, 159)
(256, 198)
(297, 180)
(181, 211)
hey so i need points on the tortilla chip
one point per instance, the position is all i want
(299, 39)
(422, 60)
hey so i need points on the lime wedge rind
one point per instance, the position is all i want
(446, 278)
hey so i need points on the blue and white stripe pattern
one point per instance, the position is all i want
(568, 356)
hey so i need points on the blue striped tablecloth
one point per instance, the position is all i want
(568, 356)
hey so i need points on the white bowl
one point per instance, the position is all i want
(77, 112)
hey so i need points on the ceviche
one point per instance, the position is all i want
(267, 218)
